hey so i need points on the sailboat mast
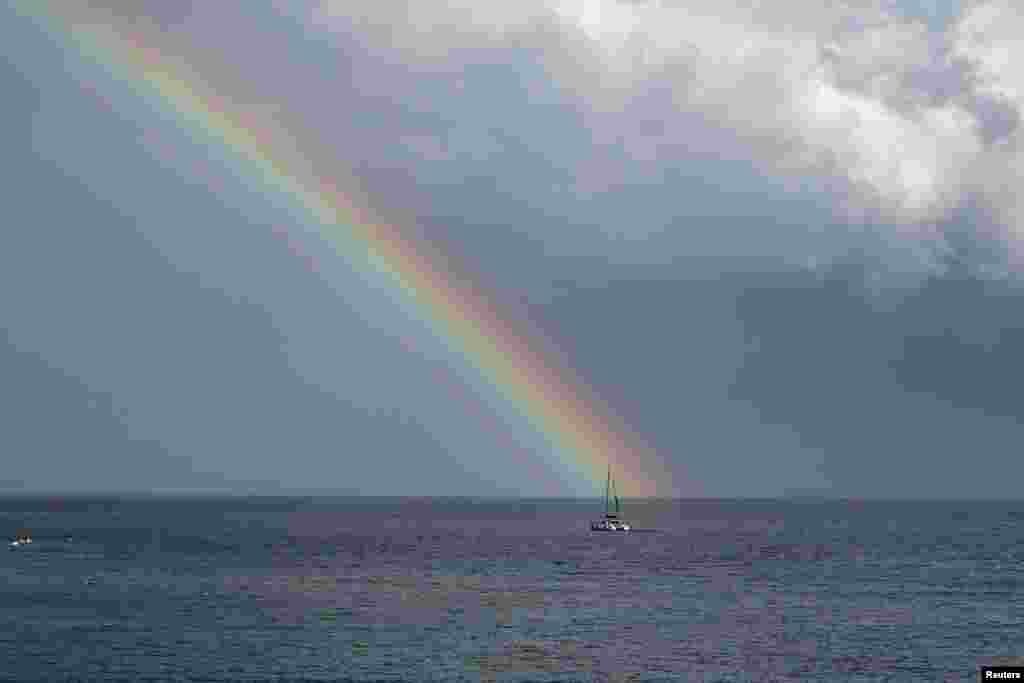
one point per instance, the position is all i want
(612, 521)
(607, 488)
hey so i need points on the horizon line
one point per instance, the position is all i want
(226, 494)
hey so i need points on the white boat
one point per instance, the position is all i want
(22, 539)
(612, 521)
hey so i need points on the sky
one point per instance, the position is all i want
(771, 248)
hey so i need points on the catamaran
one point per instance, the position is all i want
(611, 521)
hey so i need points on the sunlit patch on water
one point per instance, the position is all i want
(400, 598)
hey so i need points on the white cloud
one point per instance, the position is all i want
(913, 121)
(989, 38)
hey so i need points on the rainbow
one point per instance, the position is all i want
(564, 410)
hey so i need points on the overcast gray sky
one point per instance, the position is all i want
(783, 243)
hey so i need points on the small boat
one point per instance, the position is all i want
(612, 521)
(22, 539)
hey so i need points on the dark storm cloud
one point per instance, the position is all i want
(643, 189)
(912, 396)
(664, 354)
(757, 384)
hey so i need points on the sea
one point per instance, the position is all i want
(416, 590)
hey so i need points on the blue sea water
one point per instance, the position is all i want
(509, 590)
